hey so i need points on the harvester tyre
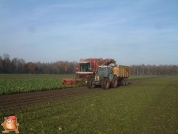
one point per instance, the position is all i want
(106, 83)
(89, 83)
(82, 82)
(114, 82)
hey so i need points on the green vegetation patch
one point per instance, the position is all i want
(17, 83)
(145, 106)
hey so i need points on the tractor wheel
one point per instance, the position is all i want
(114, 82)
(102, 83)
(106, 83)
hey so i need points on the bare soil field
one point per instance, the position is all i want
(24, 99)
(17, 100)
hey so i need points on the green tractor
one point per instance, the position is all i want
(103, 77)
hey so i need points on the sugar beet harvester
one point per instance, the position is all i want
(109, 76)
(87, 68)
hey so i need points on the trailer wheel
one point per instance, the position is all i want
(106, 83)
(114, 82)
(123, 82)
(126, 82)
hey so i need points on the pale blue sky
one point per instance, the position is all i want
(130, 31)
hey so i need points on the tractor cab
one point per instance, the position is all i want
(104, 71)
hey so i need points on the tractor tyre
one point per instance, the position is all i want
(114, 82)
(102, 83)
(106, 83)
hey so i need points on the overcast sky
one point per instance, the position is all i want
(129, 31)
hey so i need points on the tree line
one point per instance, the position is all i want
(154, 70)
(20, 66)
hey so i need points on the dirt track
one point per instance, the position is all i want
(24, 99)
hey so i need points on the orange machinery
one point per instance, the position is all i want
(86, 68)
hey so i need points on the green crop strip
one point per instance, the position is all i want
(27, 83)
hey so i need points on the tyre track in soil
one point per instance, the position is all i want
(24, 99)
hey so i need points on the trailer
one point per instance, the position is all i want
(109, 76)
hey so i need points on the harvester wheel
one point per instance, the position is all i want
(89, 83)
(82, 82)
(106, 83)
(114, 82)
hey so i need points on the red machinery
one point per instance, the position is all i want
(86, 68)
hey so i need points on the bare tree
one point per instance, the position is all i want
(6, 63)
(30, 68)
(1, 64)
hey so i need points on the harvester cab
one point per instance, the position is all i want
(84, 67)
(83, 70)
